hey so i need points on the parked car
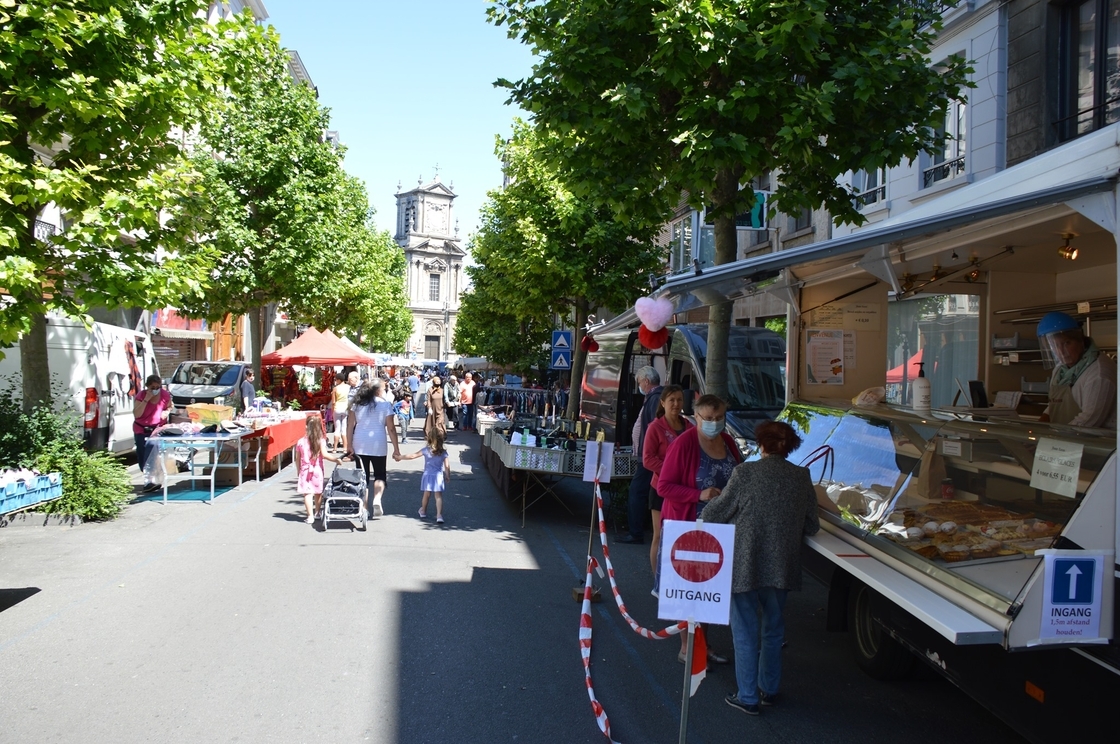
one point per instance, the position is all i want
(208, 382)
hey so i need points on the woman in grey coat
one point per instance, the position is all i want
(773, 506)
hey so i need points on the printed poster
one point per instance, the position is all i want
(1056, 466)
(849, 350)
(829, 316)
(601, 453)
(824, 352)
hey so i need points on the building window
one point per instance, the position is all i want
(948, 162)
(1090, 67)
(868, 187)
(680, 244)
(431, 347)
(803, 220)
(433, 287)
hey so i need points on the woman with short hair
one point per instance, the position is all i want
(773, 505)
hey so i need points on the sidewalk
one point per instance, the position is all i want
(237, 621)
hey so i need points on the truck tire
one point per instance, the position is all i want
(878, 654)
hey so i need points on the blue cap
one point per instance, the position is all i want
(1056, 323)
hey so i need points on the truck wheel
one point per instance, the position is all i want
(877, 654)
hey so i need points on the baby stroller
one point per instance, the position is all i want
(345, 498)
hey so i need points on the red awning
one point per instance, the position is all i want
(895, 375)
(314, 349)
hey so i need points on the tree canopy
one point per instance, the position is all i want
(92, 94)
(543, 253)
(290, 225)
(646, 99)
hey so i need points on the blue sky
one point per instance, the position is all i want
(409, 86)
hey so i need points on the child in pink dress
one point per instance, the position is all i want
(311, 450)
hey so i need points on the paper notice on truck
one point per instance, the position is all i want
(1056, 466)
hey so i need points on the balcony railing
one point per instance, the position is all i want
(943, 171)
(871, 196)
(44, 231)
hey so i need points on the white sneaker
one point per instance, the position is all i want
(377, 510)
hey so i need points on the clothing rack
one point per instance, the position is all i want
(526, 400)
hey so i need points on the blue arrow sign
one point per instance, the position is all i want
(562, 340)
(561, 359)
(1074, 580)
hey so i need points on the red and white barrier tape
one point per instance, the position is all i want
(585, 620)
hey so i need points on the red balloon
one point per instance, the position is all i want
(653, 339)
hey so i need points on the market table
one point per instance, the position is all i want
(535, 465)
(212, 443)
(274, 440)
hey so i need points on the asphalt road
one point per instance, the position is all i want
(237, 622)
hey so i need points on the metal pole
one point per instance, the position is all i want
(687, 682)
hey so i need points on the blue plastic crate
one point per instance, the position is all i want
(21, 494)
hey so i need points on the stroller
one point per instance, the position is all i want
(345, 498)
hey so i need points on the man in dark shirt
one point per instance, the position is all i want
(649, 384)
(248, 392)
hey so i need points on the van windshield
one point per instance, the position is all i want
(754, 383)
(207, 373)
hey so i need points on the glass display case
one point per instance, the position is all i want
(968, 502)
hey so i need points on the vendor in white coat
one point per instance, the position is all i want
(1083, 384)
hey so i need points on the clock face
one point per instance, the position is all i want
(437, 219)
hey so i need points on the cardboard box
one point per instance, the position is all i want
(208, 414)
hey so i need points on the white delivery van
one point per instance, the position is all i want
(94, 373)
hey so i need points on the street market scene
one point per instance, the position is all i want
(757, 381)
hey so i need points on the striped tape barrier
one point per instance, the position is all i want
(585, 619)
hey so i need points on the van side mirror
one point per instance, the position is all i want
(689, 395)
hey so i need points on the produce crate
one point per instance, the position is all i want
(208, 414)
(22, 494)
(623, 466)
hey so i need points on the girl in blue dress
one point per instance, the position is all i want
(437, 473)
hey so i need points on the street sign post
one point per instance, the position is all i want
(1072, 598)
(696, 572)
(561, 350)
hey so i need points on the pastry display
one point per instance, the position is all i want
(968, 531)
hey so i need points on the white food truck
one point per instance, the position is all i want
(976, 539)
(94, 373)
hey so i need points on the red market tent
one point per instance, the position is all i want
(895, 375)
(315, 349)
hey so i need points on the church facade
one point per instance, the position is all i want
(428, 234)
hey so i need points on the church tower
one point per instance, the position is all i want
(429, 236)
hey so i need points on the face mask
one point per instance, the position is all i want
(712, 428)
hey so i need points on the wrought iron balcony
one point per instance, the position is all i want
(943, 171)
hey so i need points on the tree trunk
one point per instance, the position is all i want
(256, 343)
(34, 366)
(719, 313)
(579, 358)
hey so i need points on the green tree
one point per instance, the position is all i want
(543, 253)
(290, 225)
(92, 93)
(356, 286)
(646, 99)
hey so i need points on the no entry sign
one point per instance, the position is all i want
(696, 556)
(696, 563)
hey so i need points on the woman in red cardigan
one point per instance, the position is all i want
(667, 425)
(697, 466)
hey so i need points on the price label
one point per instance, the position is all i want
(1083, 308)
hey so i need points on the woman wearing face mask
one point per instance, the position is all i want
(697, 466)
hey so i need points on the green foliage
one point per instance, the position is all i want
(291, 226)
(777, 325)
(92, 93)
(24, 435)
(640, 101)
(542, 252)
(95, 485)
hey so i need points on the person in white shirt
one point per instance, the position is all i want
(371, 426)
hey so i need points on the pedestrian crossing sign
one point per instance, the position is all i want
(561, 359)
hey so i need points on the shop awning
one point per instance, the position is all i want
(313, 349)
(1056, 184)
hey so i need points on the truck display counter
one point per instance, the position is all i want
(959, 506)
